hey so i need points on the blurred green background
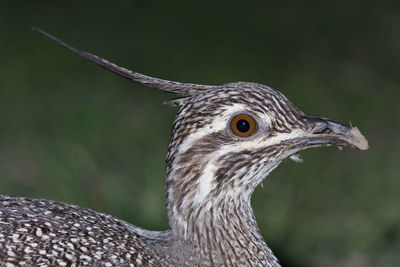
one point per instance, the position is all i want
(73, 132)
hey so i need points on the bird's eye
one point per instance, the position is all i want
(243, 125)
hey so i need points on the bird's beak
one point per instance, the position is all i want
(325, 132)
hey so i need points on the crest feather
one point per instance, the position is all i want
(183, 89)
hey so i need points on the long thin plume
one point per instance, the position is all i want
(184, 89)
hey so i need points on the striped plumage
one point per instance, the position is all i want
(211, 173)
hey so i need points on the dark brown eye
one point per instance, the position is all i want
(243, 125)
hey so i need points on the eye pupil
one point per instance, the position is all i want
(243, 126)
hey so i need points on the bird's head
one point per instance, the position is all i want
(226, 139)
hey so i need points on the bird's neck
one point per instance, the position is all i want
(221, 226)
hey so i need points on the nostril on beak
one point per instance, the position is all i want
(325, 130)
(318, 125)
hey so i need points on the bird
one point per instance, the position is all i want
(226, 139)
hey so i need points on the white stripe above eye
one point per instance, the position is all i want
(219, 123)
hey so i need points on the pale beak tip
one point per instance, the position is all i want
(357, 139)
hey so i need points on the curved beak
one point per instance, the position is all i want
(325, 132)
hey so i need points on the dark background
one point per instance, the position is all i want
(73, 132)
